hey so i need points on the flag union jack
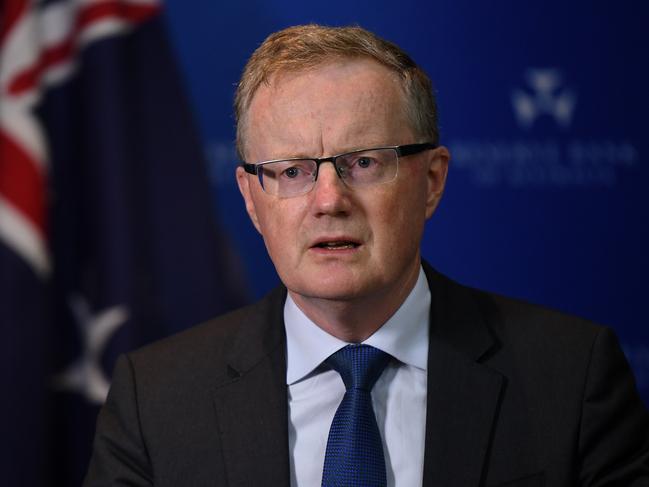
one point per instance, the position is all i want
(38, 46)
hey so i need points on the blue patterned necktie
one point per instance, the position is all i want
(354, 455)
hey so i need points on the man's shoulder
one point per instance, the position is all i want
(518, 314)
(207, 345)
(513, 321)
(546, 336)
(537, 348)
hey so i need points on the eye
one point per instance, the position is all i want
(292, 172)
(364, 162)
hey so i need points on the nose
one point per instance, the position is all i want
(330, 194)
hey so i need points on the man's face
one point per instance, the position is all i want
(336, 242)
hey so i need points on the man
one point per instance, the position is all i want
(449, 386)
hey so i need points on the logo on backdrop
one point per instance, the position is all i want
(546, 96)
(544, 99)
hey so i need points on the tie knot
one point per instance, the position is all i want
(359, 365)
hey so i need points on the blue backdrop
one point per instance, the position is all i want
(543, 107)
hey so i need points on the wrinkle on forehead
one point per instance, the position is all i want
(328, 110)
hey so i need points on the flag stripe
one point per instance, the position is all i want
(18, 234)
(63, 51)
(123, 10)
(9, 15)
(21, 182)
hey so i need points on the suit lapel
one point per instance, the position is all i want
(463, 394)
(251, 403)
(463, 399)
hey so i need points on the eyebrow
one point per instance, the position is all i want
(336, 153)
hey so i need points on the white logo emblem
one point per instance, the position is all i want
(547, 99)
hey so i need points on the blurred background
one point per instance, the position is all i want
(120, 220)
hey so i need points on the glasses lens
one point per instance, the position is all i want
(368, 167)
(287, 178)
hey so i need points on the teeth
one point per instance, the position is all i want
(337, 245)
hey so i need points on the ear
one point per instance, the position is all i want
(243, 181)
(437, 171)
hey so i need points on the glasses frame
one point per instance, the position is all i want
(401, 150)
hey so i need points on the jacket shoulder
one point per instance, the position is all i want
(204, 348)
(516, 318)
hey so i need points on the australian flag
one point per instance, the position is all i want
(107, 236)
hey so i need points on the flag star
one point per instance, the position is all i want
(85, 375)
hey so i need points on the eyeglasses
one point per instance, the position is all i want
(296, 176)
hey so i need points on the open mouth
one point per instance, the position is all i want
(337, 245)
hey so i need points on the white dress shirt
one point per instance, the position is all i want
(399, 395)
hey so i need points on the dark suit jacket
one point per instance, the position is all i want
(517, 396)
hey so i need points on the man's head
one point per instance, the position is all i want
(303, 47)
(316, 92)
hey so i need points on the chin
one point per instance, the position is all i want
(332, 288)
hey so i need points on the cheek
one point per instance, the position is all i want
(402, 219)
(279, 222)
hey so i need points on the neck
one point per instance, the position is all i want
(356, 319)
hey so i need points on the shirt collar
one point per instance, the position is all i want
(404, 335)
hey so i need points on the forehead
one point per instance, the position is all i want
(334, 107)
